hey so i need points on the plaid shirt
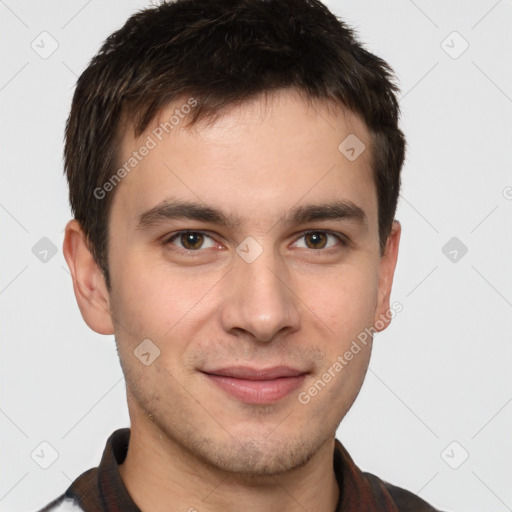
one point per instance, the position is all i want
(101, 489)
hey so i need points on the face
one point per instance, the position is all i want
(247, 252)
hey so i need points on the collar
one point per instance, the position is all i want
(102, 489)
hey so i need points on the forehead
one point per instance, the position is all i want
(257, 159)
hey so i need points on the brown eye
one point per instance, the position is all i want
(316, 240)
(192, 241)
(321, 240)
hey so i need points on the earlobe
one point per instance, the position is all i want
(88, 282)
(386, 273)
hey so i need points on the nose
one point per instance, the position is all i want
(259, 300)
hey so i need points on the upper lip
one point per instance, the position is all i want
(248, 373)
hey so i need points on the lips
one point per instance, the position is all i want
(257, 385)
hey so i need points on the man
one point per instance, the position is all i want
(234, 168)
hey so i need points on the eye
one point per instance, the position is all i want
(320, 240)
(191, 240)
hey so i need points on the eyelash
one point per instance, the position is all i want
(343, 241)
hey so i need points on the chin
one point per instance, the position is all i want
(253, 457)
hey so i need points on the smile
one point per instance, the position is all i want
(255, 386)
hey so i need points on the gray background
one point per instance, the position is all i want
(439, 385)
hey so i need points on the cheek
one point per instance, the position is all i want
(344, 300)
(152, 298)
(330, 394)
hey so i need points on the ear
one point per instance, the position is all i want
(386, 272)
(88, 282)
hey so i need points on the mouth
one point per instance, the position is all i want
(257, 385)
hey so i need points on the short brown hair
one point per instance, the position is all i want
(222, 52)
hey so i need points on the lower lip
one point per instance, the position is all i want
(257, 391)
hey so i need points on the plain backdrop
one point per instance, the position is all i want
(435, 412)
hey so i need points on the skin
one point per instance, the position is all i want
(192, 444)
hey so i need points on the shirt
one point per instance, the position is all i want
(101, 489)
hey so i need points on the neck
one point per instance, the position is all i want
(158, 472)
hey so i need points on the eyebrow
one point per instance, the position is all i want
(178, 209)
